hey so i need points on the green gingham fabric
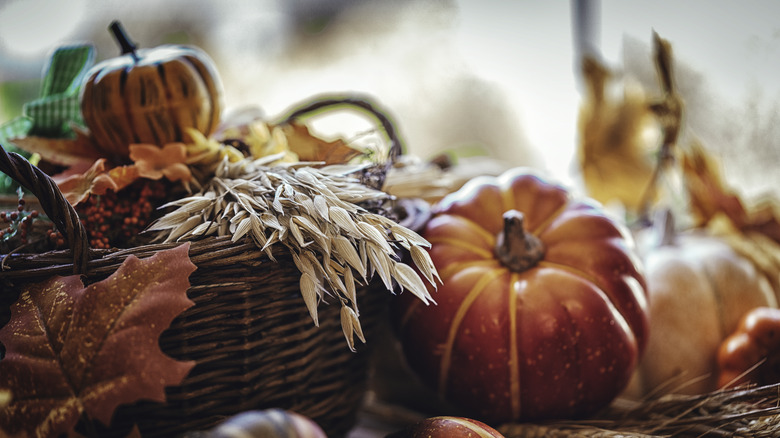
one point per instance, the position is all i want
(58, 105)
(52, 115)
(66, 69)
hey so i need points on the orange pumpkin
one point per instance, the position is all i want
(150, 96)
(542, 311)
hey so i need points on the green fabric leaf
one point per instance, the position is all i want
(58, 105)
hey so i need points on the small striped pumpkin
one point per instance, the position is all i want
(542, 312)
(149, 96)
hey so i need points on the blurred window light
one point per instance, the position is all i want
(30, 28)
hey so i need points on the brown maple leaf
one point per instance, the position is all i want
(73, 350)
(62, 151)
(311, 148)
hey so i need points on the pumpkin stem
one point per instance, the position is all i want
(516, 248)
(665, 226)
(123, 39)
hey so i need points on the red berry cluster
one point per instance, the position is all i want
(17, 223)
(21, 228)
(116, 218)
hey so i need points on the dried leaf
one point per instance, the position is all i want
(64, 152)
(77, 188)
(122, 176)
(154, 162)
(753, 232)
(707, 192)
(311, 148)
(66, 344)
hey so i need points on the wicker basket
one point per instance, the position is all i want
(249, 331)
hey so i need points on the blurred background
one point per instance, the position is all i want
(474, 77)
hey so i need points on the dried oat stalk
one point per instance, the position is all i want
(315, 212)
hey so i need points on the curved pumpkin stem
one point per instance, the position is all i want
(516, 248)
(121, 37)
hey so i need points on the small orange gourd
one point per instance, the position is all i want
(752, 353)
(149, 96)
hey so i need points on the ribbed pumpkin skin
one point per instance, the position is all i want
(151, 99)
(560, 339)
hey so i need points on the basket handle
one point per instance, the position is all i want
(396, 146)
(53, 203)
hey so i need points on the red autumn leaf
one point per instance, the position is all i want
(73, 350)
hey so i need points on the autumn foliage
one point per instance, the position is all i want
(76, 351)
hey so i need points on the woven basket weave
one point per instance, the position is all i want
(249, 331)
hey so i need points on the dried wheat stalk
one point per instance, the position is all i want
(335, 243)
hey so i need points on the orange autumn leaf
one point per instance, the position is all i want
(753, 231)
(123, 176)
(707, 192)
(154, 162)
(75, 350)
(311, 148)
(77, 187)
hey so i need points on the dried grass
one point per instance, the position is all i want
(740, 412)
